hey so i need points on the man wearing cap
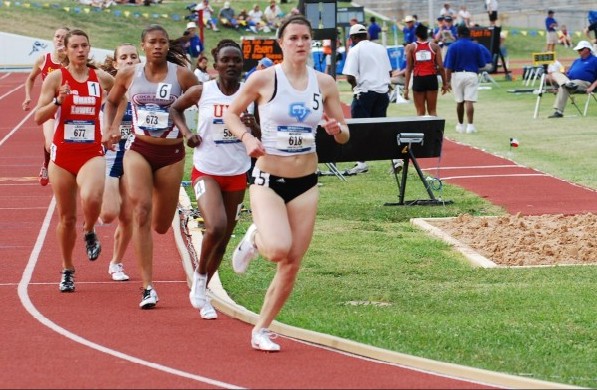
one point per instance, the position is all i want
(367, 69)
(262, 64)
(446, 35)
(464, 59)
(409, 30)
(227, 16)
(582, 76)
(195, 47)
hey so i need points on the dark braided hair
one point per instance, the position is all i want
(222, 44)
(176, 53)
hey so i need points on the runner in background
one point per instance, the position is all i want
(44, 65)
(220, 164)
(73, 95)
(116, 203)
(154, 161)
(293, 99)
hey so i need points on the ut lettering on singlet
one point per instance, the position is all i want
(221, 134)
(82, 130)
(297, 138)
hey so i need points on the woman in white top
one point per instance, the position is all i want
(292, 99)
(154, 160)
(220, 164)
(201, 70)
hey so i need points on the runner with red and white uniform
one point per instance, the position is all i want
(44, 65)
(73, 96)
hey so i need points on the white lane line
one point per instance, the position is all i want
(5, 76)
(11, 91)
(7, 136)
(478, 167)
(492, 176)
(28, 305)
(80, 283)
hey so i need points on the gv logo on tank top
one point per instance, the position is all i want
(298, 111)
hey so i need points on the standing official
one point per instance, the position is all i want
(463, 61)
(368, 71)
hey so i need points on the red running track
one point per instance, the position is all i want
(516, 188)
(98, 338)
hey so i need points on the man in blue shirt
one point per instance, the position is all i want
(373, 30)
(409, 30)
(195, 47)
(462, 63)
(582, 76)
(551, 27)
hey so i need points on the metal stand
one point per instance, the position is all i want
(484, 77)
(409, 139)
(540, 91)
(332, 167)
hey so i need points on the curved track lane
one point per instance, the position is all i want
(98, 337)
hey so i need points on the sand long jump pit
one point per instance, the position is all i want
(519, 241)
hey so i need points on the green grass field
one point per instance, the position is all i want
(539, 323)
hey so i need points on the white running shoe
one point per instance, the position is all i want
(359, 167)
(149, 298)
(245, 251)
(460, 128)
(208, 312)
(470, 128)
(197, 294)
(117, 272)
(262, 340)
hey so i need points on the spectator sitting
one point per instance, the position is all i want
(273, 14)
(582, 76)
(554, 67)
(208, 20)
(446, 10)
(246, 21)
(564, 36)
(464, 16)
(256, 15)
(201, 70)
(227, 16)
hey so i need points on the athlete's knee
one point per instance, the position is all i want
(288, 270)
(68, 221)
(142, 215)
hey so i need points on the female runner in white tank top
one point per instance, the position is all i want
(292, 99)
(220, 163)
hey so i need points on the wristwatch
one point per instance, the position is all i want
(56, 102)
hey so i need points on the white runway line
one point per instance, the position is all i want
(28, 305)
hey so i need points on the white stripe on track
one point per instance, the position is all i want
(476, 167)
(5, 76)
(490, 176)
(11, 91)
(28, 305)
(17, 127)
